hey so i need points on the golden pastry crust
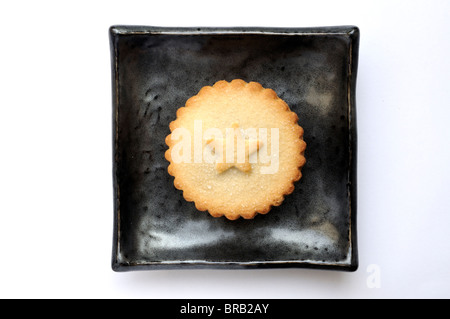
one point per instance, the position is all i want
(238, 190)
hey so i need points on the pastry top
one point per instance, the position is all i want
(235, 149)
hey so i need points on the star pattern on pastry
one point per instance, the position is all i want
(221, 145)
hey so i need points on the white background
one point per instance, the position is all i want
(56, 200)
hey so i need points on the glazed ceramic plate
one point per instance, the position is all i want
(155, 70)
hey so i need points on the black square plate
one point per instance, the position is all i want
(155, 70)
